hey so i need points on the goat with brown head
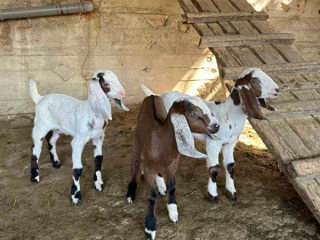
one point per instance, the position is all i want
(251, 89)
(160, 139)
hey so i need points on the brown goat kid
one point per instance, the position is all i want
(159, 141)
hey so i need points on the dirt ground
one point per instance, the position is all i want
(267, 208)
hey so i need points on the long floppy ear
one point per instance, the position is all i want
(160, 111)
(250, 103)
(98, 100)
(120, 104)
(263, 103)
(184, 138)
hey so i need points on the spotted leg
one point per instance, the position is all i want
(98, 183)
(77, 147)
(172, 203)
(228, 162)
(52, 137)
(213, 148)
(38, 132)
(150, 221)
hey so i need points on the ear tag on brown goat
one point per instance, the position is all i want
(184, 138)
(99, 101)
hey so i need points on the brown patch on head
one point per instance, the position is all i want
(197, 120)
(247, 90)
(104, 85)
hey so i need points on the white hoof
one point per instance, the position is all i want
(150, 233)
(129, 200)
(173, 212)
(99, 185)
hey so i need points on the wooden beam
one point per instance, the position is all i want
(238, 40)
(284, 68)
(211, 17)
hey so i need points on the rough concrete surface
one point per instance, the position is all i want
(267, 208)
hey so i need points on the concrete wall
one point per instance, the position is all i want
(141, 41)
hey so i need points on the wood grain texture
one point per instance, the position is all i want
(237, 40)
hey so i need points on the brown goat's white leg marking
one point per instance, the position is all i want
(161, 185)
(172, 205)
(52, 138)
(39, 131)
(228, 162)
(77, 147)
(98, 157)
(213, 148)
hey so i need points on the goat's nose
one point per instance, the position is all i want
(122, 93)
(277, 90)
(215, 128)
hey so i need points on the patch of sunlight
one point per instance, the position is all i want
(250, 137)
(259, 5)
(203, 71)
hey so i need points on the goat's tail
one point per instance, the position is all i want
(146, 90)
(35, 96)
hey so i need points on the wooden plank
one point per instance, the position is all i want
(245, 56)
(283, 97)
(208, 6)
(297, 106)
(224, 57)
(293, 79)
(299, 86)
(188, 6)
(237, 40)
(308, 130)
(287, 68)
(275, 142)
(276, 115)
(225, 6)
(307, 94)
(306, 167)
(312, 77)
(292, 140)
(310, 194)
(211, 17)
(244, 27)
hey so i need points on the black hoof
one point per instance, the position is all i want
(213, 200)
(56, 164)
(233, 197)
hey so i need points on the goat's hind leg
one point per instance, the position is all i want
(135, 164)
(150, 220)
(228, 162)
(52, 137)
(98, 157)
(39, 131)
(172, 203)
(77, 148)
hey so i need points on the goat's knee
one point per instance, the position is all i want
(212, 185)
(161, 185)
(98, 183)
(35, 155)
(52, 138)
(75, 189)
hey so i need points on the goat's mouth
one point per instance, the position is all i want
(120, 104)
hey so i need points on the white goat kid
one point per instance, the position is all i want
(57, 114)
(247, 96)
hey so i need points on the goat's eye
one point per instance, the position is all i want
(193, 115)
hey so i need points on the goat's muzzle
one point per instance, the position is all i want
(212, 129)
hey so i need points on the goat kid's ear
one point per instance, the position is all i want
(159, 109)
(228, 86)
(98, 100)
(184, 138)
(250, 103)
(263, 103)
(120, 104)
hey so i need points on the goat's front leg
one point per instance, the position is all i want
(161, 185)
(213, 148)
(77, 147)
(98, 157)
(172, 205)
(228, 162)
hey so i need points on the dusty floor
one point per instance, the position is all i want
(267, 208)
